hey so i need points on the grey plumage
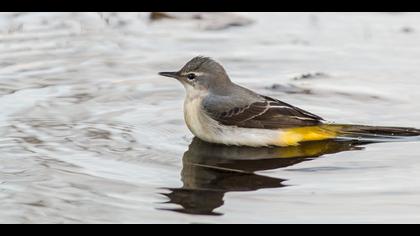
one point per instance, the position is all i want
(234, 105)
(267, 113)
(203, 64)
(220, 111)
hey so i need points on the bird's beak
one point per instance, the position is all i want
(169, 74)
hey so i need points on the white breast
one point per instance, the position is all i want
(208, 129)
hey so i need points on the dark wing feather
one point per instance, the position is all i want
(266, 114)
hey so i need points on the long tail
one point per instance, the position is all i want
(361, 133)
(373, 133)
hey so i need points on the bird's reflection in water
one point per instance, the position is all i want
(211, 170)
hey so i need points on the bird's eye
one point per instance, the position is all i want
(191, 76)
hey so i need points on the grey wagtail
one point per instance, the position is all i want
(217, 110)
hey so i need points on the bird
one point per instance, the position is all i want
(217, 110)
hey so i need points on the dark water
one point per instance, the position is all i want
(90, 133)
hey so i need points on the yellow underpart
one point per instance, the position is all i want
(293, 136)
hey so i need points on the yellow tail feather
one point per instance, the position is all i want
(294, 136)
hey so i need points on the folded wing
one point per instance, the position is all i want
(269, 113)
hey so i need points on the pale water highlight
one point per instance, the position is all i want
(91, 134)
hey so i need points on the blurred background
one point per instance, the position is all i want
(89, 133)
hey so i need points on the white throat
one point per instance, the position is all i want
(193, 113)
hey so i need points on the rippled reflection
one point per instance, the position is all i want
(211, 170)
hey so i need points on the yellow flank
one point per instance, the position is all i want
(293, 136)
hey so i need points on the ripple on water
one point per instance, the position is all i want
(89, 133)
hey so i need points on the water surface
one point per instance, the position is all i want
(91, 134)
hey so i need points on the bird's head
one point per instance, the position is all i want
(200, 73)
